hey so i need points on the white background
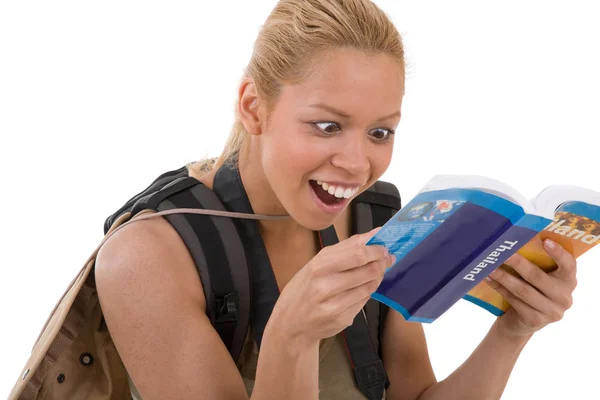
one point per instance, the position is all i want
(96, 100)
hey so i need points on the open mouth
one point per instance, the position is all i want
(331, 196)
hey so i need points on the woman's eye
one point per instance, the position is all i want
(328, 127)
(381, 134)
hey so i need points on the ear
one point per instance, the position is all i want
(249, 106)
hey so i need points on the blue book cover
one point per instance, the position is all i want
(458, 229)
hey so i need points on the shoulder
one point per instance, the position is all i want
(153, 303)
(145, 257)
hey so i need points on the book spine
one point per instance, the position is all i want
(440, 259)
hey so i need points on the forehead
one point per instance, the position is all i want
(352, 80)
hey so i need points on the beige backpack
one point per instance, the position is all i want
(74, 356)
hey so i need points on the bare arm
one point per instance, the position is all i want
(406, 358)
(154, 306)
(411, 376)
(478, 378)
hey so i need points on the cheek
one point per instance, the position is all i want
(380, 161)
(293, 151)
(287, 157)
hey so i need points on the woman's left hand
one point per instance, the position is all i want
(538, 298)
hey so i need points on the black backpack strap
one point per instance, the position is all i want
(220, 258)
(159, 183)
(368, 368)
(376, 205)
(213, 243)
(228, 186)
(373, 208)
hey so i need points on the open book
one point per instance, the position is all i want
(460, 228)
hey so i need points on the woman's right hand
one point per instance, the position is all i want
(325, 296)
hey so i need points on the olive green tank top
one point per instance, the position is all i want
(336, 378)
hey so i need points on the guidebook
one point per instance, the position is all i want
(460, 228)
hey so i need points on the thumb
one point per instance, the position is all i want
(363, 238)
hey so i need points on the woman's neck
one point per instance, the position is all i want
(260, 195)
(263, 198)
(263, 201)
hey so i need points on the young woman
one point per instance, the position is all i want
(317, 113)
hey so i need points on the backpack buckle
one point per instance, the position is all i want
(226, 308)
(372, 379)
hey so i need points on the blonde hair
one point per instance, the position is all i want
(294, 34)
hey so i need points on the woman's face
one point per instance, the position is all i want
(330, 137)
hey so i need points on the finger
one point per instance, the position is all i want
(524, 310)
(349, 314)
(567, 265)
(551, 287)
(342, 259)
(354, 277)
(353, 296)
(357, 239)
(363, 238)
(522, 290)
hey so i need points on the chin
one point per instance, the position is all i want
(315, 219)
(316, 222)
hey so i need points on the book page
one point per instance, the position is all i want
(549, 199)
(489, 185)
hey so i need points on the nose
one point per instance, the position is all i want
(352, 155)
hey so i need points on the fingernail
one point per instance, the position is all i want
(487, 278)
(549, 244)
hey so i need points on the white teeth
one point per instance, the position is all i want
(338, 191)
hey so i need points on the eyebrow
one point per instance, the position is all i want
(346, 116)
